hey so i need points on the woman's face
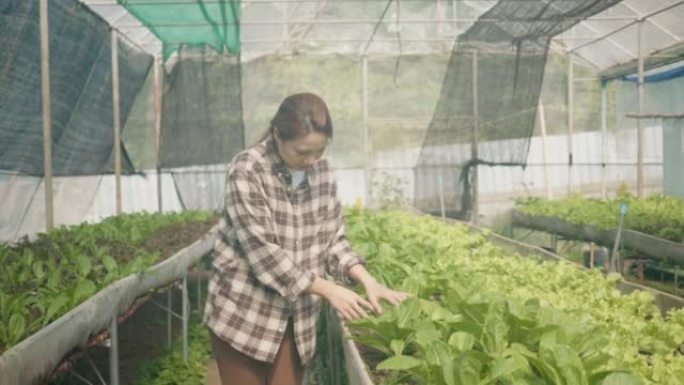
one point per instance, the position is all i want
(301, 153)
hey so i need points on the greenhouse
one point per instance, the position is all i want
(512, 170)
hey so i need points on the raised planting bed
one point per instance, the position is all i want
(482, 314)
(642, 243)
(658, 215)
(74, 281)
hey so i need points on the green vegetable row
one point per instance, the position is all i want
(658, 215)
(41, 280)
(483, 316)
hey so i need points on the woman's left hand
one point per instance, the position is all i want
(376, 292)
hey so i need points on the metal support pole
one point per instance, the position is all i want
(474, 151)
(640, 128)
(454, 15)
(615, 256)
(366, 132)
(604, 128)
(199, 288)
(114, 352)
(117, 119)
(186, 316)
(47, 116)
(676, 281)
(571, 113)
(157, 127)
(542, 126)
(169, 319)
(286, 27)
(440, 183)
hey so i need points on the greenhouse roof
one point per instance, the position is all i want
(608, 40)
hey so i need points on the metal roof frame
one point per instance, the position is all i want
(296, 31)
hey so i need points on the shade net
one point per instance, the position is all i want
(202, 110)
(489, 97)
(212, 23)
(81, 105)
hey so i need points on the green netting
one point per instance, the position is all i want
(202, 110)
(214, 23)
(488, 104)
(80, 88)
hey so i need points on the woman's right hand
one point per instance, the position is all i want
(347, 304)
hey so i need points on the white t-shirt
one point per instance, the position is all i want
(297, 177)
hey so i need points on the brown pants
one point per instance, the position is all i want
(236, 368)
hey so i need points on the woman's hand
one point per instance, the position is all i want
(348, 305)
(374, 290)
(377, 292)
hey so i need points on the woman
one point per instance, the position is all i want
(282, 230)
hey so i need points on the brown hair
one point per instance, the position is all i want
(298, 115)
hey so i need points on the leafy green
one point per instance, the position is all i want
(502, 318)
(658, 214)
(43, 279)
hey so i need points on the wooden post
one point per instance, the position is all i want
(47, 116)
(640, 128)
(117, 119)
(604, 129)
(157, 128)
(474, 150)
(542, 126)
(571, 113)
(367, 147)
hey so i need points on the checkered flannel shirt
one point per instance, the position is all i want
(273, 241)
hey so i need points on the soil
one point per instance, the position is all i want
(169, 240)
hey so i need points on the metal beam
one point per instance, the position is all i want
(653, 22)
(123, 14)
(656, 116)
(654, 13)
(170, 2)
(336, 21)
(612, 41)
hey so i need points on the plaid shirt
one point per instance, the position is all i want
(273, 241)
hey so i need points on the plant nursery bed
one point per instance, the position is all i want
(483, 314)
(642, 243)
(95, 273)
